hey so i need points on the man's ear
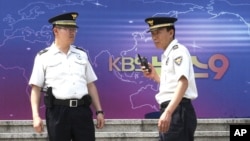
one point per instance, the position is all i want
(55, 30)
(171, 32)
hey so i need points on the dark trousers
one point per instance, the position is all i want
(183, 123)
(70, 123)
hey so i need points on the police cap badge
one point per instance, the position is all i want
(67, 19)
(159, 22)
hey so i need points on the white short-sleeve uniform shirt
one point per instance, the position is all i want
(67, 74)
(176, 62)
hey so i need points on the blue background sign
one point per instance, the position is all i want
(216, 32)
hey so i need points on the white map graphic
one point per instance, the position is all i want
(118, 33)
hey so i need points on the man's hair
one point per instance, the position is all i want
(169, 28)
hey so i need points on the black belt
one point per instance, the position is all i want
(73, 102)
(184, 100)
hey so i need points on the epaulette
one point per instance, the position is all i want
(43, 51)
(175, 47)
(80, 48)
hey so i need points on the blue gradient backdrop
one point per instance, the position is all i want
(115, 29)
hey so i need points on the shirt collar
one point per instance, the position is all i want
(54, 49)
(73, 49)
(170, 46)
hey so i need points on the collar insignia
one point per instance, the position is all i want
(175, 47)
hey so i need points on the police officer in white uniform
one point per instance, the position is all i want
(178, 119)
(65, 74)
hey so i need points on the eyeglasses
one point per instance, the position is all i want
(69, 29)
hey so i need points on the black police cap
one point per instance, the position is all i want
(67, 19)
(159, 22)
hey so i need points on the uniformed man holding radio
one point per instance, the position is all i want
(65, 75)
(177, 82)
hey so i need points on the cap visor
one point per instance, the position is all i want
(153, 29)
(75, 26)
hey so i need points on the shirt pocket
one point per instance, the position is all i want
(168, 67)
(79, 67)
(54, 69)
(167, 71)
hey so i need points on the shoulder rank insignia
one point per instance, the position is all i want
(80, 48)
(43, 51)
(175, 46)
(178, 60)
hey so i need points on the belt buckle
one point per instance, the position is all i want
(73, 103)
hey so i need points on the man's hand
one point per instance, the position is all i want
(100, 121)
(152, 74)
(164, 122)
(38, 124)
